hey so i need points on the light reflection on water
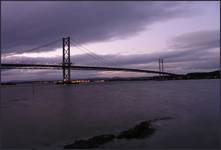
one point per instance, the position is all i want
(47, 115)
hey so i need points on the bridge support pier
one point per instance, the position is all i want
(66, 61)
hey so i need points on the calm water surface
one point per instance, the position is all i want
(36, 116)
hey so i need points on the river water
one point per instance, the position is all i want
(48, 115)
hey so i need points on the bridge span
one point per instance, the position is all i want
(76, 67)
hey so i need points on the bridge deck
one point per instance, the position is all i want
(43, 66)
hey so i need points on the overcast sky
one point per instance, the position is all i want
(123, 34)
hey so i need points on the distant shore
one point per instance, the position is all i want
(188, 76)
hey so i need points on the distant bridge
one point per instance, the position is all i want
(74, 67)
(66, 66)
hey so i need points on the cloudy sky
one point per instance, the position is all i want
(121, 34)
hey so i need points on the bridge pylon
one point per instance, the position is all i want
(161, 68)
(66, 60)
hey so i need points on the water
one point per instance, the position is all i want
(36, 116)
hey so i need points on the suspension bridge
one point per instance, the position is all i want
(67, 66)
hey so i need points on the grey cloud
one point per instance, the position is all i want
(194, 46)
(197, 40)
(186, 47)
(195, 50)
(28, 24)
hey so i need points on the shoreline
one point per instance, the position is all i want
(94, 82)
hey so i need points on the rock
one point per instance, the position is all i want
(93, 142)
(142, 130)
(162, 118)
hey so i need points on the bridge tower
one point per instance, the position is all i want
(66, 60)
(161, 68)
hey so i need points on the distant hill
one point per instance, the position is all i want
(203, 75)
(193, 75)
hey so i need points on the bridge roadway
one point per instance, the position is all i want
(73, 67)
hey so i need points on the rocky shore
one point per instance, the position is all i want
(142, 130)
